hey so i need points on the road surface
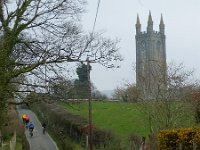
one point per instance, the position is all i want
(39, 141)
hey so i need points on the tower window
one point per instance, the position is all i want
(143, 50)
(158, 47)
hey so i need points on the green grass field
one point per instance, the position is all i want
(124, 118)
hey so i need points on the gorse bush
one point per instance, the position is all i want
(187, 138)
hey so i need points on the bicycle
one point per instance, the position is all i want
(31, 132)
(26, 126)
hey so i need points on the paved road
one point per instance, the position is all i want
(38, 141)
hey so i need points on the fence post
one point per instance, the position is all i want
(0, 138)
(194, 146)
(13, 142)
(143, 143)
(87, 141)
(180, 146)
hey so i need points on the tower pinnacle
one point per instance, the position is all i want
(138, 25)
(162, 25)
(150, 24)
(150, 21)
(161, 20)
(138, 20)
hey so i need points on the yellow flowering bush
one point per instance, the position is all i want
(173, 138)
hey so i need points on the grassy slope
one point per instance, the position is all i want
(122, 118)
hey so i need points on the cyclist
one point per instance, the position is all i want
(31, 127)
(23, 118)
(27, 121)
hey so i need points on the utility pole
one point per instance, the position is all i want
(45, 78)
(89, 107)
(89, 89)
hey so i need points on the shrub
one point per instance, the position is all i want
(173, 138)
(14, 124)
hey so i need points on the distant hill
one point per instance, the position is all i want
(108, 93)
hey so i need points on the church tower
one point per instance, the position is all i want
(151, 67)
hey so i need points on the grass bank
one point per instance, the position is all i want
(126, 118)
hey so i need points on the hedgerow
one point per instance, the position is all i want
(66, 125)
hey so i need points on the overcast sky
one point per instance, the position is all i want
(118, 17)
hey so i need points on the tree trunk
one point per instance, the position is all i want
(3, 97)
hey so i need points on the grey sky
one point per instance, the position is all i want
(118, 18)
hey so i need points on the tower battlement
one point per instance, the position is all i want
(145, 32)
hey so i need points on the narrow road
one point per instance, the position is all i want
(39, 141)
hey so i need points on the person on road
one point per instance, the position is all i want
(44, 125)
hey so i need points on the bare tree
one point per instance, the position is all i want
(169, 104)
(169, 94)
(39, 35)
(128, 93)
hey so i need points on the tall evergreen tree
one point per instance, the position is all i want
(81, 83)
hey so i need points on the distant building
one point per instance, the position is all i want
(151, 67)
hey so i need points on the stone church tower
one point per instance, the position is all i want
(151, 67)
